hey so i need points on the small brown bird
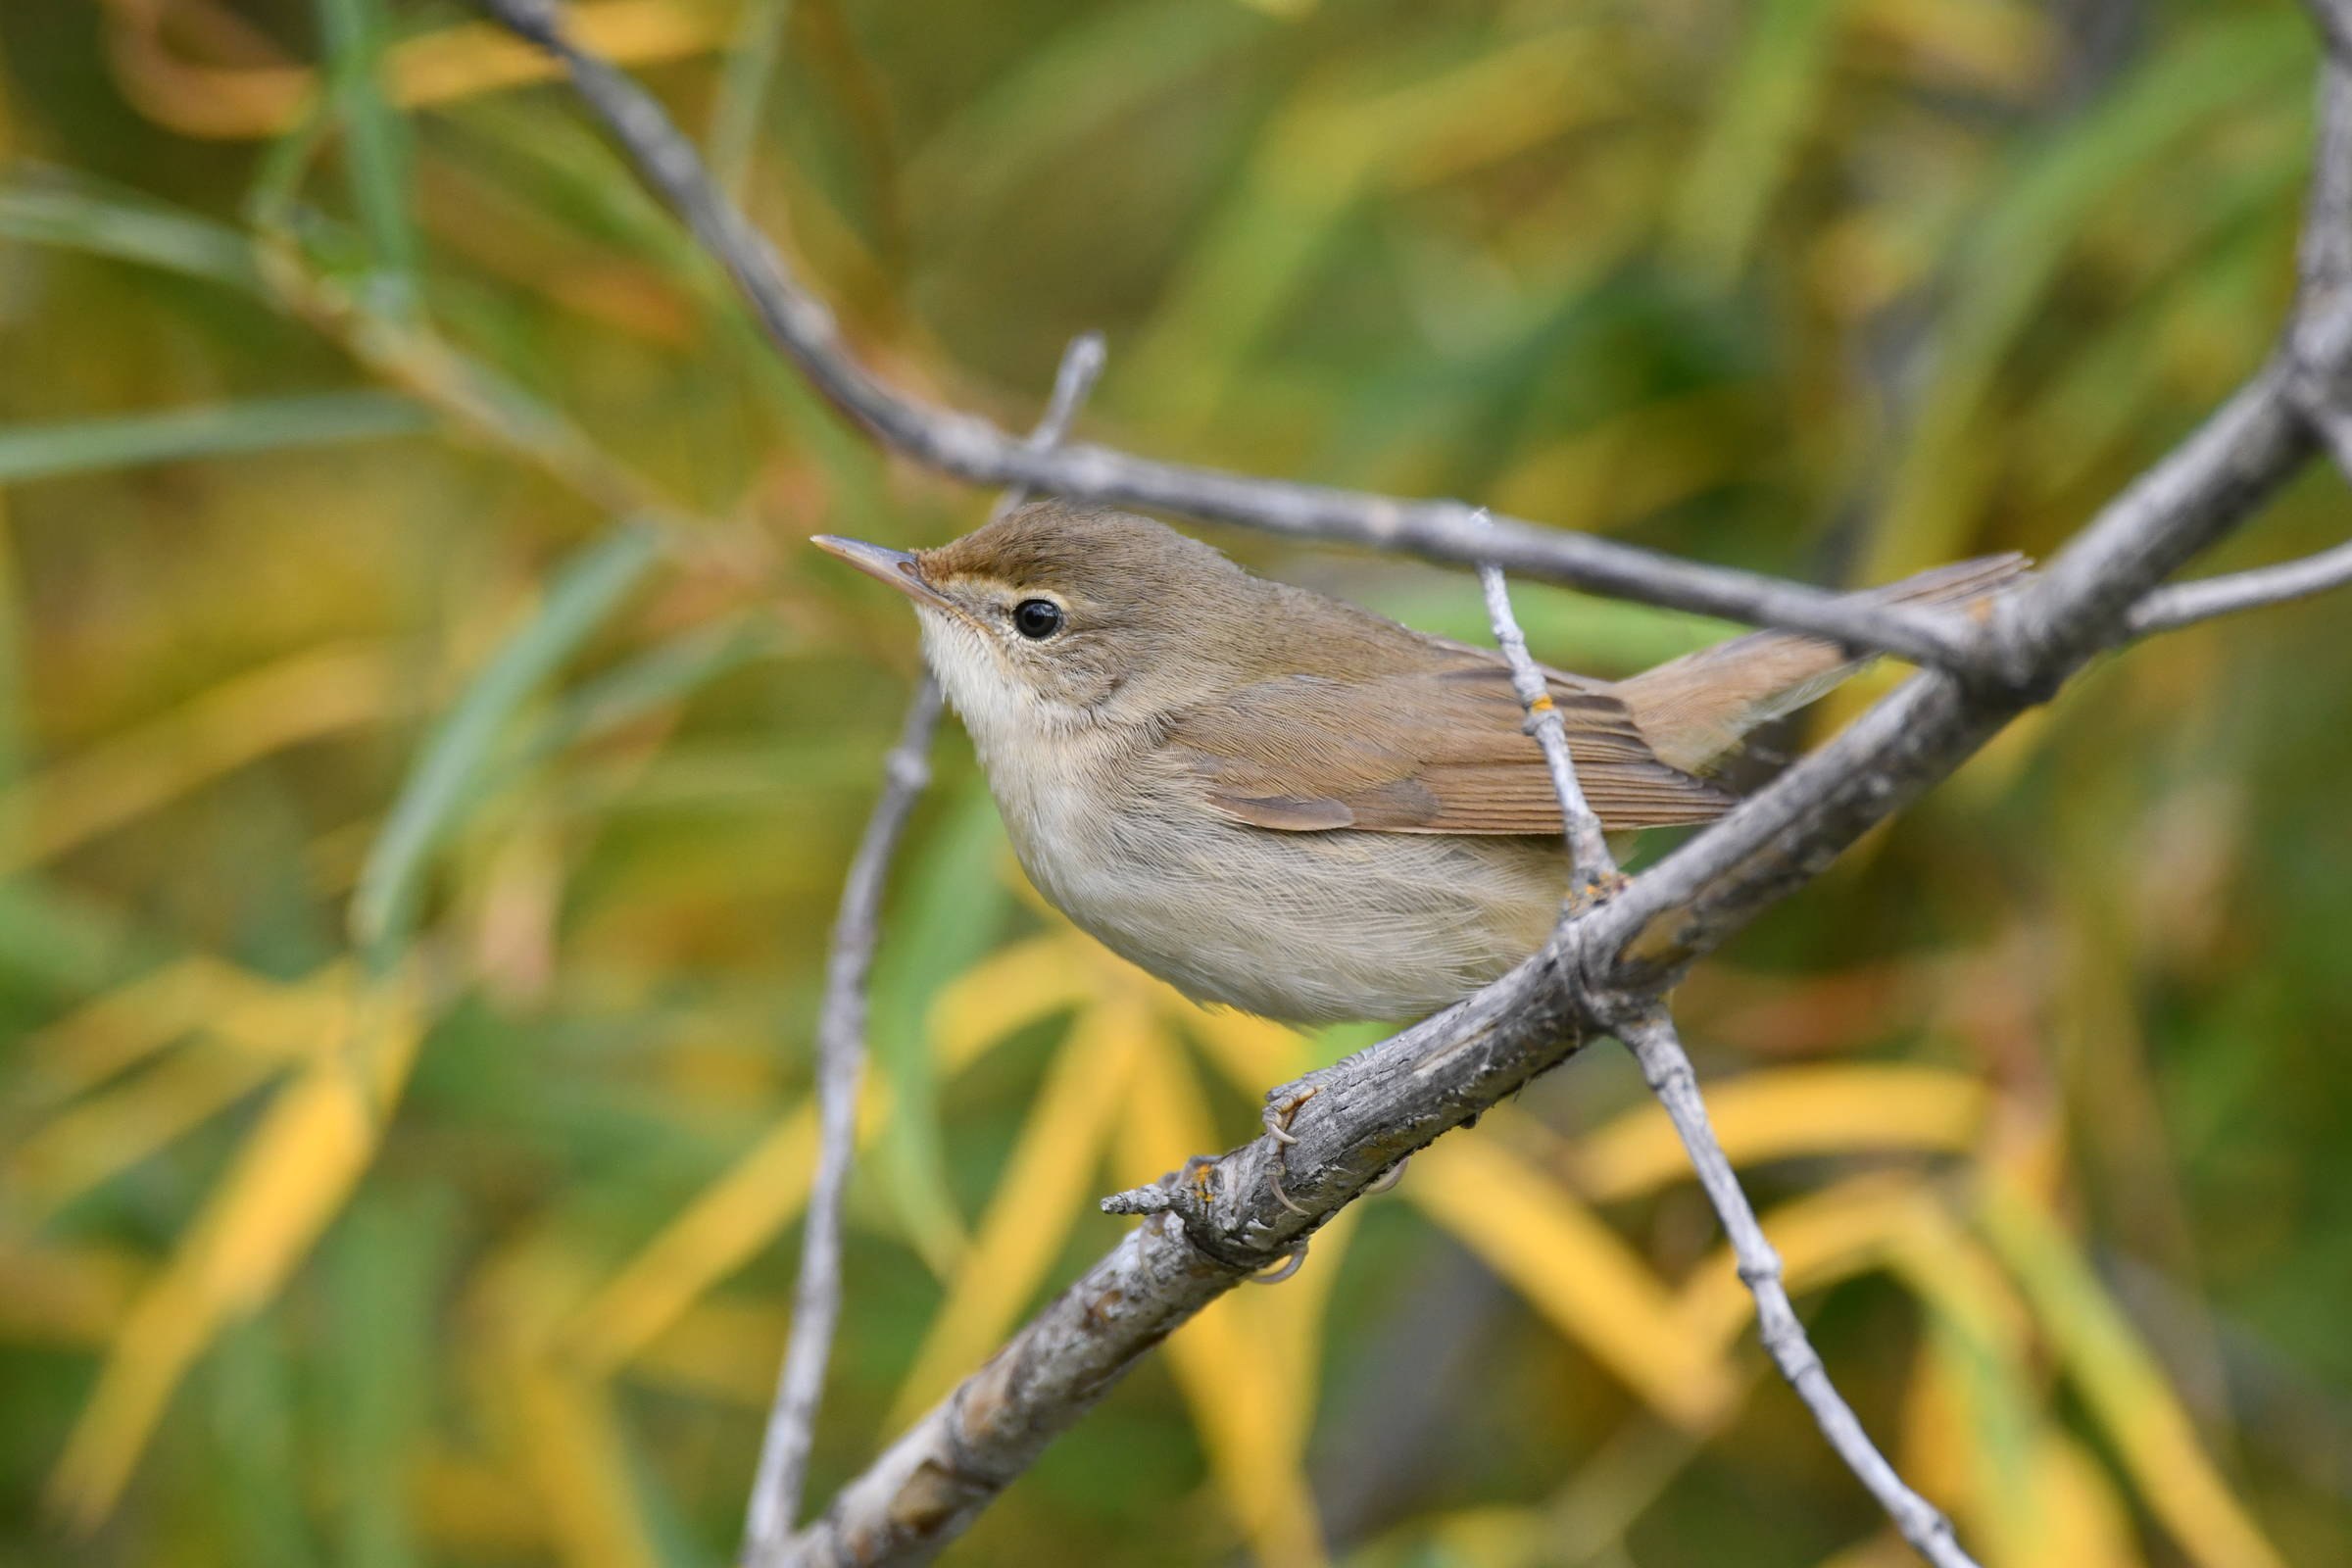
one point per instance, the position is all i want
(1277, 800)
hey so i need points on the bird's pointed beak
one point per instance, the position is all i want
(894, 566)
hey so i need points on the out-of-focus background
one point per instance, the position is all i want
(429, 755)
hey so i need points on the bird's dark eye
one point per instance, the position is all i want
(1036, 619)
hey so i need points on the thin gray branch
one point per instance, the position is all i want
(1650, 1035)
(1074, 384)
(2184, 604)
(1591, 868)
(972, 449)
(791, 1433)
(2323, 254)
(840, 1067)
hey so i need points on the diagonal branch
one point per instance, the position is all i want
(1650, 1035)
(841, 1055)
(1648, 1032)
(972, 449)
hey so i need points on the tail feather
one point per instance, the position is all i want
(1696, 709)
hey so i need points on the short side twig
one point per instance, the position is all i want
(1648, 1030)
(2187, 603)
(1650, 1035)
(783, 1466)
(1591, 868)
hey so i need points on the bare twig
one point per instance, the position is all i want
(974, 450)
(782, 1471)
(840, 1066)
(1074, 384)
(2184, 604)
(1650, 1034)
(1593, 870)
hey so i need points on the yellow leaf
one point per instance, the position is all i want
(2027, 1495)
(1573, 1270)
(123, 1028)
(256, 101)
(107, 1134)
(1248, 1363)
(719, 1231)
(1042, 1192)
(720, 1351)
(251, 1027)
(571, 1448)
(1008, 990)
(748, 1204)
(1252, 1053)
(2122, 1385)
(1788, 1113)
(293, 1173)
(77, 1295)
(248, 716)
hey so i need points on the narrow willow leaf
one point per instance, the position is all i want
(305, 696)
(376, 138)
(735, 111)
(1786, 1114)
(1762, 115)
(224, 430)
(951, 904)
(292, 1174)
(2123, 1386)
(72, 212)
(2013, 253)
(439, 786)
(1039, 1197)
(1573, 1270)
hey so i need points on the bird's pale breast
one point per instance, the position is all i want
(1308, 927)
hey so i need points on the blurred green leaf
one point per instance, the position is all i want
(76, 214)
(735, 111)
(2011, 254)
(950, 909)
(228, 429)
(583, 591)
(1751, 141)
(385, 1264)
(376, 141)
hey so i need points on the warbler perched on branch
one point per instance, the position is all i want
(1281, 801)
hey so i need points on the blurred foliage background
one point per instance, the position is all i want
(428, 756)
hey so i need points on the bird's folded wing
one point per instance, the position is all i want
(1441, 752)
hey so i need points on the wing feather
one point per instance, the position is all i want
(1429, 752)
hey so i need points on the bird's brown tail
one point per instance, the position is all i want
(1696, 709)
